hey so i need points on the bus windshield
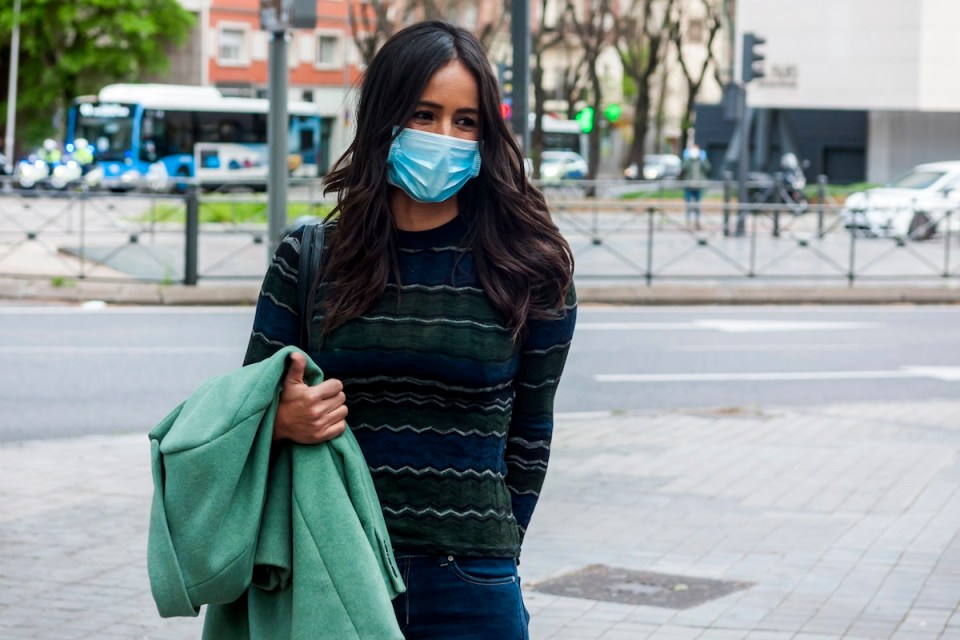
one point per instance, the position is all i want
(108, 127)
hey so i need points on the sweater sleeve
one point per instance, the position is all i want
(276, 323)
(542, 357)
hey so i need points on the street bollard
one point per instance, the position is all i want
(192, 230)
(822, 200)
(778, 202)
(727, 196)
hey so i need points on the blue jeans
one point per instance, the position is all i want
(692, 198)
(463, 598)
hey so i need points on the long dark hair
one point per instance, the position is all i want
(524, 264)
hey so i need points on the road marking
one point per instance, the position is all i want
(727, 326)
(775, 347)
(60, 351)
(766, 326)
(637, 326)
(14, 310)
(948, 374)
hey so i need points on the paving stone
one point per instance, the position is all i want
(844, 517)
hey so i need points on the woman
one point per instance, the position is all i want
(442, 319)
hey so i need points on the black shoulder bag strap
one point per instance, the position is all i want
(311, 251)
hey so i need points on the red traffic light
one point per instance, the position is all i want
(506, 110)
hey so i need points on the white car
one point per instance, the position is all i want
(562, 165)
(655, 167)
(914, 206)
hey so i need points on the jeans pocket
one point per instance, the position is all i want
(485, 571)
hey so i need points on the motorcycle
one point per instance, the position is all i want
(784, 187)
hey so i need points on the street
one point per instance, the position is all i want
(72, 370)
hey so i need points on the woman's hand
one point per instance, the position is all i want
(309, 415)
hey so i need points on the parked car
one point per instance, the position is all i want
(562, 165)
(655, 167)
(913, 206)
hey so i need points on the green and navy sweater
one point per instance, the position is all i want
(453, 416)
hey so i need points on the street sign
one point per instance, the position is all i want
(281, 15)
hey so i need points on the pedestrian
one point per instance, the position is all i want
(442, 319)
(694, 168)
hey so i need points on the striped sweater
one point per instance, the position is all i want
(453, 416)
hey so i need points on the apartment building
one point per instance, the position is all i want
(228, 50)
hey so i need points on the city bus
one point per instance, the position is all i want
(152, 134)
(562, 135)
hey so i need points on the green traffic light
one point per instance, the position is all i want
(585, 119)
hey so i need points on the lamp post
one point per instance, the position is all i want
(12, 89)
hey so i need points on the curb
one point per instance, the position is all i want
(245, 294)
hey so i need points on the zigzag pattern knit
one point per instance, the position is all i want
(453, 416)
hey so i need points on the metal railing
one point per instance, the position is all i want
(195, 238)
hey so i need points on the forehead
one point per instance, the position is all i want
(452, 83)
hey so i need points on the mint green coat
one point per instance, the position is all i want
(280, 540)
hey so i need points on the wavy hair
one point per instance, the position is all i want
(524, 265)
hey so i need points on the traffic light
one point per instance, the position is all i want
(585, 119)
(612, 112)
(752, 58)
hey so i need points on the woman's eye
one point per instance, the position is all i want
(466, 122)
(423, 115)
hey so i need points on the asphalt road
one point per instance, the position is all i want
(73, 370)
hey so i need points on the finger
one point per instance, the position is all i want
(329, 388)
(298, 366)
(332, 431)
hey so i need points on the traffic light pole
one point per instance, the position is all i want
(743, 167)
(749, 72)
(520, 36)
(277, 142)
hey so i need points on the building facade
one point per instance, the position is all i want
(893, 59)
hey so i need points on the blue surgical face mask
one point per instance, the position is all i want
(431, 167)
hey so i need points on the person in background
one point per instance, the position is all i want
(694, 169)
(50, 153)
(444, 312)
(83, 154)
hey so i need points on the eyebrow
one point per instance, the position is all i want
(426, 103)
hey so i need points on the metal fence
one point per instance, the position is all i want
(198, 237)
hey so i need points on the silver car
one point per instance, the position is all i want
(656, 166)
(914, 206)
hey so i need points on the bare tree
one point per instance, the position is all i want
(543, 38)
(641, 41)
(372, 22)
(591, 25)
(695, 77)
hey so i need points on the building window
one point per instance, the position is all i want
(328, 50)
(233, 47)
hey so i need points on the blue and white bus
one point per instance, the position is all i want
(161, 131)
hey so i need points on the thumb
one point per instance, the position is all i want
(298, 366)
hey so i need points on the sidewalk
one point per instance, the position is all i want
(661, 293)
(832, 521)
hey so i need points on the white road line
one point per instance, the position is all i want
(706, 348)
(766, 326)
(122, 310)
(948, 374)
(727, 326)
(637, 326)
(162, 351)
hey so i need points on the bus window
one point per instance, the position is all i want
(180, 137)
(152, 129)
(109, 127)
